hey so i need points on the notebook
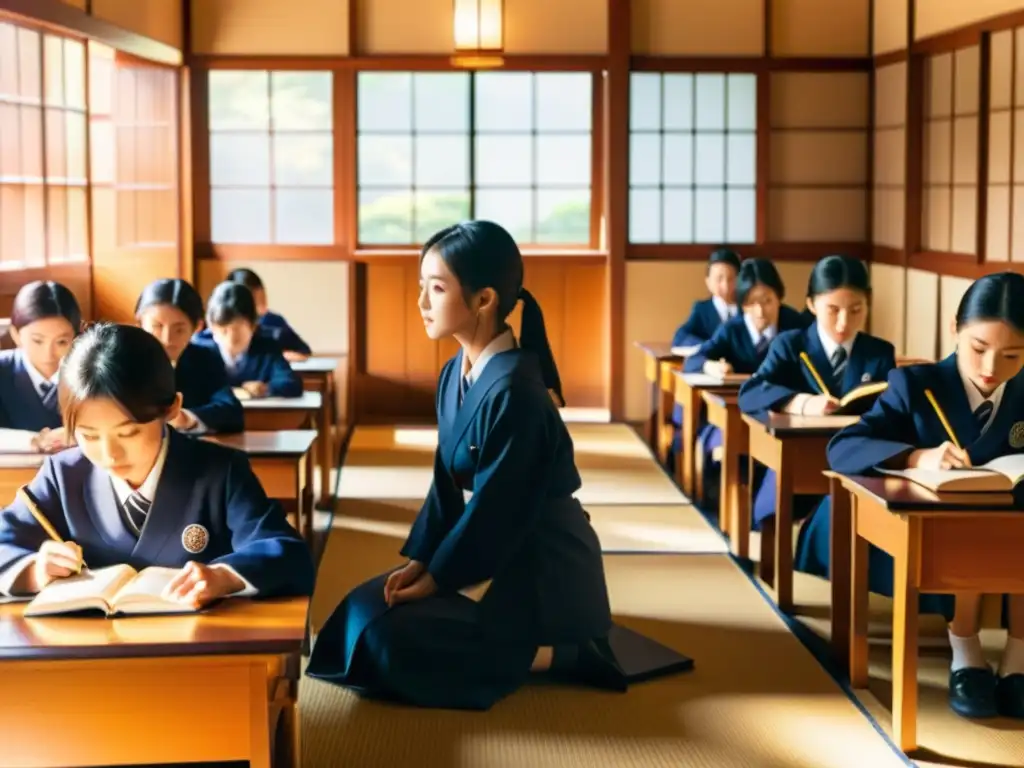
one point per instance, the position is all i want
(1000, 475)
(116, 590)
(18, 441)
(686, 351)
(858, 401)
(241, 394)
(707, 380)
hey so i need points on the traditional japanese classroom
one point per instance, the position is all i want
(762, 243)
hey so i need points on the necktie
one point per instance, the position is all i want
(839, 360)
(762, 345)
(136, 508)
(463, 388)
(48, 393)
(983, 412)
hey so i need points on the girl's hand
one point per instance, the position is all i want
(184, 421)
(256, 388)
(402, 578)
(424, 586)
(52, 440)
(717, 367)
(819, 405)
(945, 456)
(198, 584)
(55, 560)
(294, 357)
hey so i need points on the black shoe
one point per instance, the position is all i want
(972, 692)
(598, 667)
(1010, 696)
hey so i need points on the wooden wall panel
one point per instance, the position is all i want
(816, 28)
(80, 4)
(951, 290)
(922, 304)
(556, 26)
(698, 27)
(156, 19)
(426, 26)
(271, 27)
(890, 25)
(933, 17)
(888, 304)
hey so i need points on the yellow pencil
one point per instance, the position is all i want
(814, 373)
(27, 500)
(942, 417)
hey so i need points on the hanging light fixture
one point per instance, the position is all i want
(479, 33)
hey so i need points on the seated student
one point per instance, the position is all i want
(171, 310)
(254, 361)
(741, 344)
(270, 322)
(410, 635)
(981, 393)
(132, 487)
(44, 321)
(843, 356)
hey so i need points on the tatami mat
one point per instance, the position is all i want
(756, 698)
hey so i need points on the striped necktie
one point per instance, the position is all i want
(839, 361)
(762, 345)
(983, 413)
(136, 507)
(48, 393)
(463, 388)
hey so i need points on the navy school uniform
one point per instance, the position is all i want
(783, 375)
(204, 489)
(279, 329)
(522, 529)
(903, 420)
(733, 342)
(27, 401)
(262, 361)
(202, 380)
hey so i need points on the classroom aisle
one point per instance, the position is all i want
(757, 697)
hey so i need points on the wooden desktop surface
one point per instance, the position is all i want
(307, 401)
(316, 365)
(786, 424)
(268, 444)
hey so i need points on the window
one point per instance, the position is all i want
(950, 168)
(1005, 210)
(43, 211)
(271, 157)
(514, 147)
(692, 158)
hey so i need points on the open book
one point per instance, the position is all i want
(119, 589)
(241, 394)
(858, 401)
(686, 351)
(18, 441)
(998, 476)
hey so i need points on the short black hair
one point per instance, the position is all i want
(229, 302)
(246, 277)
(42, 299)
(834, 272)
(174, 293)
(755, 272)
(724, 256)
(122, 363)
(992, 298)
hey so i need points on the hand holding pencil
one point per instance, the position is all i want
(56, 558)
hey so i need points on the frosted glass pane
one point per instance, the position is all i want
(442, 161)
(301, 100)
(442, 102)
(504, 160)
(74, 74)
(710, 102)
(742, 94)
(436, 209)
(303, 160)
(53, 70)
(709, 215)
(304, 216)
(741, 159)
(678, 159)
(678, 216)
(504, 101)
(385, 161)
(678, 103)
(385, 216)
(644, 101)
(240, 215)
(564, 101)
(563, 216)
(239, 159)
(384, 101)
(644, 216)
(512, 208)
(563, 160)
(74, 134)
(740, 215)
(239, 100)
(710, 156)
(645, 159)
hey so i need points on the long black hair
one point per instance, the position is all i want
(42, 299)
(482, 254)
(755, 272)
(992, 298)
(173, 293)
(834, 272)
(229, 302)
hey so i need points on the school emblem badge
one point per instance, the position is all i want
(865, 378)
(1017, 435)
(194, 539)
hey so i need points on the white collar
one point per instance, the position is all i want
(148, 487)
(755, 336)
(975, 398)
(724, 309)
(830, 346)
(37, 379)
(503, 342)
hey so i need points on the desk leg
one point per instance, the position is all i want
(841, 554)
(729, 493)
(784, 535)
(328, 454)
(904, 638)
(684, 459)
(740, 523)
(858, 604)
(652, 419)
(323, 450)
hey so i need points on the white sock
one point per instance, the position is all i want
(1013, 658)
(966, 652)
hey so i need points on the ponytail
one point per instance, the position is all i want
(533, 336)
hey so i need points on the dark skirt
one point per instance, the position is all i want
(435, 652)
(813, 555)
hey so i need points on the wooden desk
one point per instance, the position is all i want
(16, 470)
(318, 376)
(940, 543)
(282, 464)
(277, 413)
(217, 686)
(688, 388)
(656, 352)
(724, 413)
(794, 448)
